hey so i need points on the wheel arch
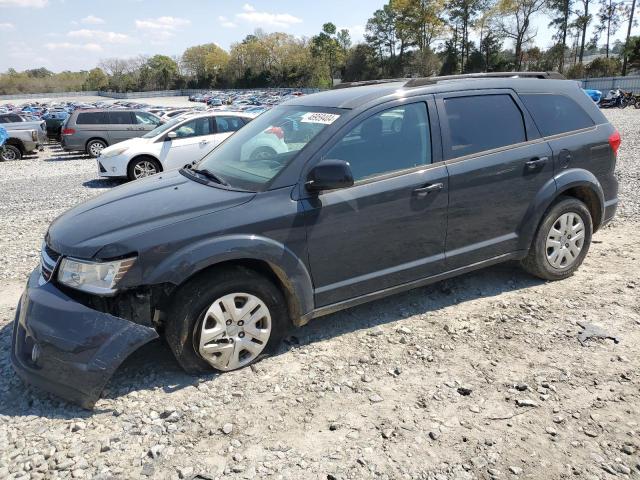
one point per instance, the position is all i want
(263, 255)
(144, 155)
(576, 183)
(16, 142)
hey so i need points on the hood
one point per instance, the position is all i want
(135, 208)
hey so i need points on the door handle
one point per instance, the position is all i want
(427, 189)
(536, 162)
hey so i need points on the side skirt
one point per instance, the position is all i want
(369, 297)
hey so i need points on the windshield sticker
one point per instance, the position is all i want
(318, 117)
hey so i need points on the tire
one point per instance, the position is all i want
(141, 167)
(196, 302)
(10, 153)
(95, 146)
(541, 261)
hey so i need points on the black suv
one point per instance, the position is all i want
(325, 202)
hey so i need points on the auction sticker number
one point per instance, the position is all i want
(318, 117)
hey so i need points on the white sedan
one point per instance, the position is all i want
(176, 143)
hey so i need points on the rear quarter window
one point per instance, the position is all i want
(92, 118)
(555, 114)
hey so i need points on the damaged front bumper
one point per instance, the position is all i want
(69, 349)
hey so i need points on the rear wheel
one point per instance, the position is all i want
(225, 320)
(143, 167)
(95, 147)
(10, 152)
(562, 241)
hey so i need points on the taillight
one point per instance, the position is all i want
(68, 131)
(614, 141)
(277, 131)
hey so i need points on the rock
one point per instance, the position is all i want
(185, 472)
(404, 330)
(474, 408)
(375, 398)
(526, 402)
(551, 431)
(227, 428)
(590, 433)
(628, 449)
(155, 451)
(464, 391)
(515, 470)
(434, 435)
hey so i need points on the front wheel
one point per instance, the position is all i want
(561, 242)
(143, 167)
(225, 320)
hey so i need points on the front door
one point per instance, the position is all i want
(121, 126)
(497, 163)
(195, 138)
(389, 228)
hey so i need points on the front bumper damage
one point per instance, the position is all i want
(69, 349)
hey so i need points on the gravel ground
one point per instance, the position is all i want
(481, 376)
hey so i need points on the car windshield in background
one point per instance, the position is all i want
(254, 155)
(163, 128)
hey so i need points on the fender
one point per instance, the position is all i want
(194, 258)
(556, 186)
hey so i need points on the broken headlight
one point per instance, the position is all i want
(100, 278)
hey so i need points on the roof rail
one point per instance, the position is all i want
(367, 82)
(418, 82)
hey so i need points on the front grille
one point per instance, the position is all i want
(48, 262)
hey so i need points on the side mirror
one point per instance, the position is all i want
(329, 175)
(171, 136)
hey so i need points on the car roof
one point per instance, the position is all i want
(354, 97)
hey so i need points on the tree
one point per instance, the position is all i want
(361, 64)
(632, 53)
(162, 71)
(464, 13)
(560, 22)
(381, 33)
(610, 19)
(325, 47)
(629, 11)
(515, 23)
(582, 22)
(204, 64)
(96, 80)
(604, 67)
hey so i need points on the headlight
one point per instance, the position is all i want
(114, 152)
(100, 278)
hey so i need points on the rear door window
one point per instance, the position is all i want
(478, 123)
(92, 118)
(120, 118)
(194, 128)
(228, 124)
(556, 114)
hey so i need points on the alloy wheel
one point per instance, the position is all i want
(9, 155)
(234, 331)
(565, 240)
(144, 168)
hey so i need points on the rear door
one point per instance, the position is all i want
(497, 163)
(195, 138)
(121, 126)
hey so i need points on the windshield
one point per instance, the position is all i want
(254, 155)
(163, 128)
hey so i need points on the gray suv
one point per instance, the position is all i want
(92, 130)
(322, 203)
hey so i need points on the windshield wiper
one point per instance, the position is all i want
(209, 174)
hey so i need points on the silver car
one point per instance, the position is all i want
(92, 130)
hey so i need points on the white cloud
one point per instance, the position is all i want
(162, 29)
(99, 36)
(5, 27)
(24, 3)
(225, 22)
(162, 23)
(88, 47)
(92, 20)
(278, 20)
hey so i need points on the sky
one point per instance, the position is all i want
(77, 34)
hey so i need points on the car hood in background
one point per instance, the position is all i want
(136, 208)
